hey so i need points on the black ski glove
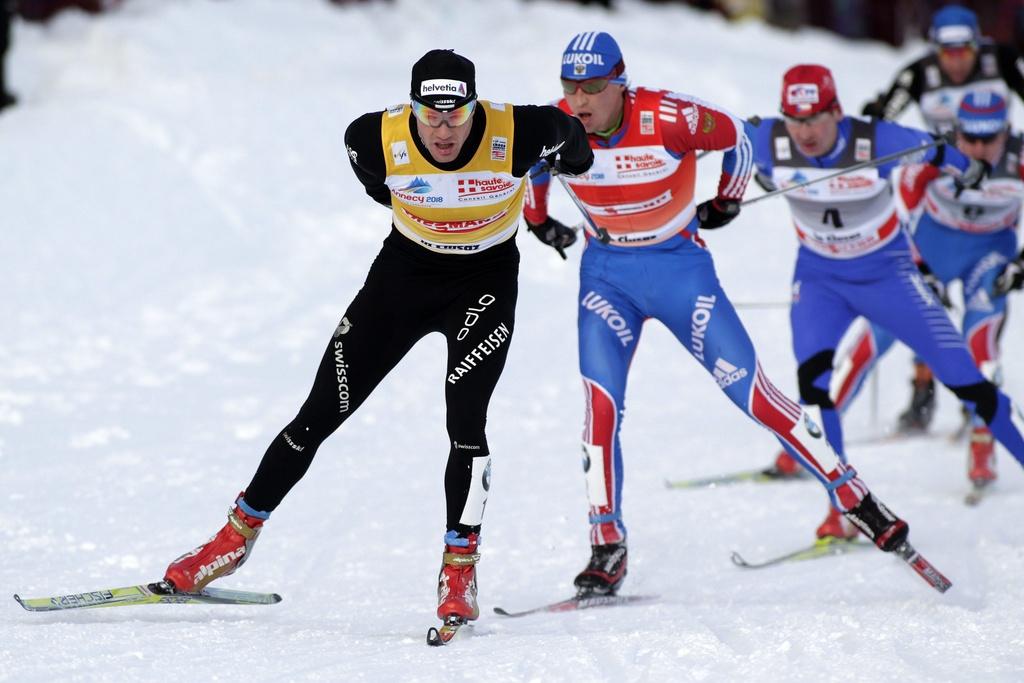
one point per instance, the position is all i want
(717, 212)
(971, 178)
(555, 234)
(557, 165)
(873, 108)
(934, 284)
(1011, 278)
(562, 167)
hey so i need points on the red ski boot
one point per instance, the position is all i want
(786, 466)
(836, 526)
(456, 584)
(220, 556)
(981, 467)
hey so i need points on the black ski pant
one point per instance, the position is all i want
(409, 292)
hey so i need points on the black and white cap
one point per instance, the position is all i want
(443, 80)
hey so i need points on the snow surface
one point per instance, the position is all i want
(181, 233)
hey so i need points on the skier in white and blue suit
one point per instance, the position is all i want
(855, 258)
(968, 235)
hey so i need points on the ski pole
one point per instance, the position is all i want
(751, 305)
(545, 167)
(842, 171)
(602, 234)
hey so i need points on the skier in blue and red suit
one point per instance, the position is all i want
(855, 259)
(967, 235)
(643, 259)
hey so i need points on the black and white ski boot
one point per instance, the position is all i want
(879, 523)
(604, 573)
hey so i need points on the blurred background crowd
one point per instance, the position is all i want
(891, 21)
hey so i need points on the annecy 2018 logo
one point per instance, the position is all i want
(418, 191)
(417, 186)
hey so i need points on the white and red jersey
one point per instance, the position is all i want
(641, 186)
(848, 216)
(992, 207)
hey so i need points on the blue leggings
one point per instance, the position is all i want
(887, 289)
(675, 282)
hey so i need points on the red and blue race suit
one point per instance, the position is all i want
(653, 264)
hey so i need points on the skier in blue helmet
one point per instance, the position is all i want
(645, 259)
(960, 60)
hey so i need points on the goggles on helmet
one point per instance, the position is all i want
(434, 118)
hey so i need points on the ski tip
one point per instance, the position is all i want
(20, 601)
(441, 636)
(933, 576)
(738, 560)
(502, 611)
(925, 569)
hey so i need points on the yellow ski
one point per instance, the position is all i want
(146, 594)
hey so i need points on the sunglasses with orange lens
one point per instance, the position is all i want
(434, 118)
(956, 51)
